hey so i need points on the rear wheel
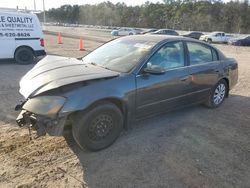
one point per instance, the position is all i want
(99, 127)
(217, 94)
(24, 56)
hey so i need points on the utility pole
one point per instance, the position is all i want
(44, 17)
(34, 4)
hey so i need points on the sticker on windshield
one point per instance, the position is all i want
(144, 46)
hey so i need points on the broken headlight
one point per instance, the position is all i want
(45, 105)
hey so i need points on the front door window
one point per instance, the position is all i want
(168, 57)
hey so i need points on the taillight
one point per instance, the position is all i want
(42, 42)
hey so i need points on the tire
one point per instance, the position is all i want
(130, 34)
(217, 95)
(209, 41)
(24, 56)
(99, 127)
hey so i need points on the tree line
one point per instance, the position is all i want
(212, 15)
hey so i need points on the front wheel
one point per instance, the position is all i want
(217, 94)
(99, 127)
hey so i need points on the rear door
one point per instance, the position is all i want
(161, 92)
(30, 34)
(204, 68)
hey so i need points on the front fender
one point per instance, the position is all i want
(82, 100)
(119, 88)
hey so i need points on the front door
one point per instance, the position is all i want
(161, 92)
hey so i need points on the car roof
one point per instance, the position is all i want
(194, 32)
(157, 38)
(166, 30)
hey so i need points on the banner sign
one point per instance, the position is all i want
(16, 26)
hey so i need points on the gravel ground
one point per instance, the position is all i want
(192, 147)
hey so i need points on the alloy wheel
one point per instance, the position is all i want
(219, 93)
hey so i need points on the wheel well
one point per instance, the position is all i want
(23, 47)
(114, 101)
(227, 81)
(117, 102)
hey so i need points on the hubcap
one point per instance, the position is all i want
(219, 94)
(25, 56)
(100, 127)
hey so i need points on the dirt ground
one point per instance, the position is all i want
(192, 147)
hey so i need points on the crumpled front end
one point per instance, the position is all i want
(43, 115)
(42, 124)
(44, 87)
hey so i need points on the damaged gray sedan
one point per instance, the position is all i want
(125, 80)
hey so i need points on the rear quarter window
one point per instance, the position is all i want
(214, 54)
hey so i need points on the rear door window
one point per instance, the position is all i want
(199, 53)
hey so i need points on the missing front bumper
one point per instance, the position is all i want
(41, 124)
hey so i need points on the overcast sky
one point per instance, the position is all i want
(57, 3)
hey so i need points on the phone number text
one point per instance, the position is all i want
(14, 34)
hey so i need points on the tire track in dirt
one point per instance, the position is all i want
(49, 154)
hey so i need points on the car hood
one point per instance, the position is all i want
(55, 71)
(235, 39)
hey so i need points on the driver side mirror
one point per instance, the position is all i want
(153, 69)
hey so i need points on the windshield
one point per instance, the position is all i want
(120, 55)
(245, 37)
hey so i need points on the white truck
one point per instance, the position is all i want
(21, 36)
(216, 37)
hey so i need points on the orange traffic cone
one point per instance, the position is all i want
(59, 38)
(81, 44)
